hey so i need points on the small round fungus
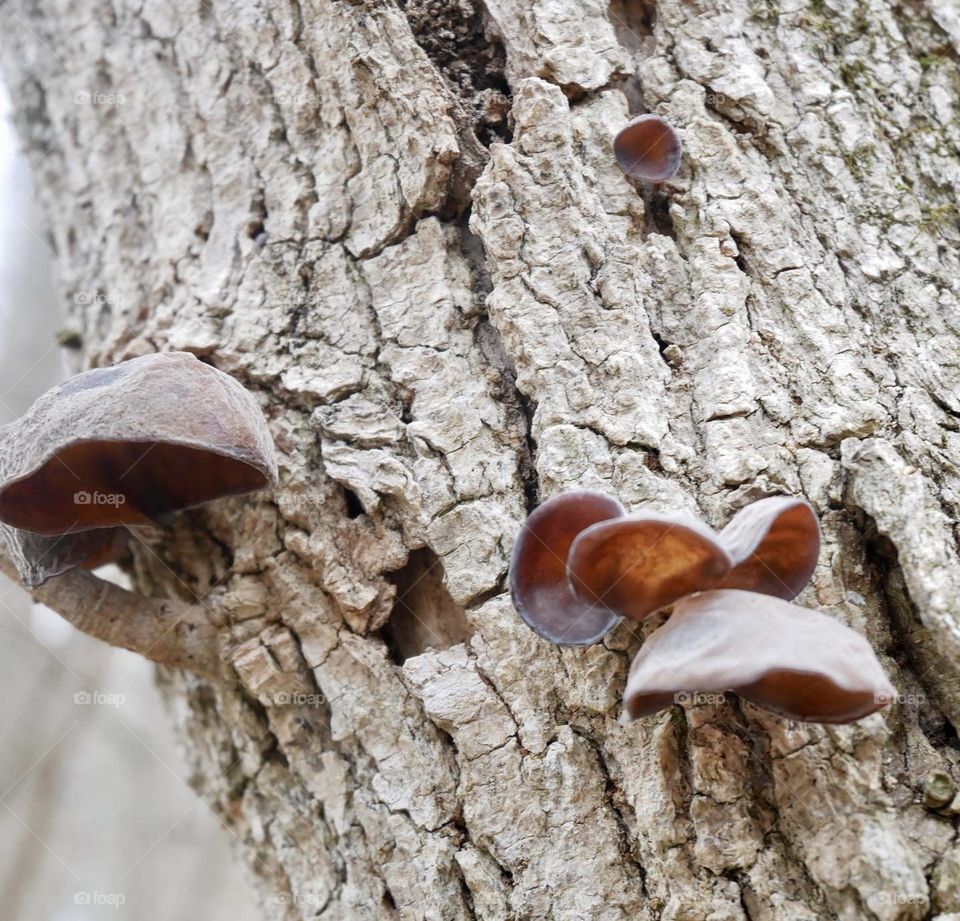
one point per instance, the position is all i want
(648, 148)
(130, 443)
(799, 663)
(538, 579)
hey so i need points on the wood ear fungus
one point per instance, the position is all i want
(799, 663)
(127, 444)
(644, 562)
(123, 446)
(538, 580)
(648, 148)
(580, 564)
(774, 544)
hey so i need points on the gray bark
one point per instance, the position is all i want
(402, 227)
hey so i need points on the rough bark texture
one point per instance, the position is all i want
(402, 226)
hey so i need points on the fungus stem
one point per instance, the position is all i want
(164, 630)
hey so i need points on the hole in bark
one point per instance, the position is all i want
(454, 36)
(740, 259)
(632, 21)
(657, 213)
(662, 345)
(424, 614)
(353, 504)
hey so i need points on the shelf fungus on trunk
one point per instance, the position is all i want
(538, 581)
(127, 444)
(580, 564)
(117, 447)
(793, 661)
(648, 148)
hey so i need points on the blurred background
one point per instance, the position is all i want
(96, 818)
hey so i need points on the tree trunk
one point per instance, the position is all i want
(401, 225)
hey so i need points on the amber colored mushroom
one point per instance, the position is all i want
(799, 663)
(641, 563)
(127, 444)
(774, 544)
(538, 580)
(644, 562)
(648, 148)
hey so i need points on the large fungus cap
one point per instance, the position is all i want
(648, 148)
(538, 578)
(644, 562)
(129, 443)
(799, 663)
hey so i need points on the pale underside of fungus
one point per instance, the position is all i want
(793, 661)
(38, 558)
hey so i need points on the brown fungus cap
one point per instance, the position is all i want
(774, 544)
(127, 444)
(644, 562)
(538, 578)
(799, 663)
(641, 563)
(648, 148)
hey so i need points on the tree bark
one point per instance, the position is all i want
(401, 225)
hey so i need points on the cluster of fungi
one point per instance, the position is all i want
(581, 564)
(115, 448)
